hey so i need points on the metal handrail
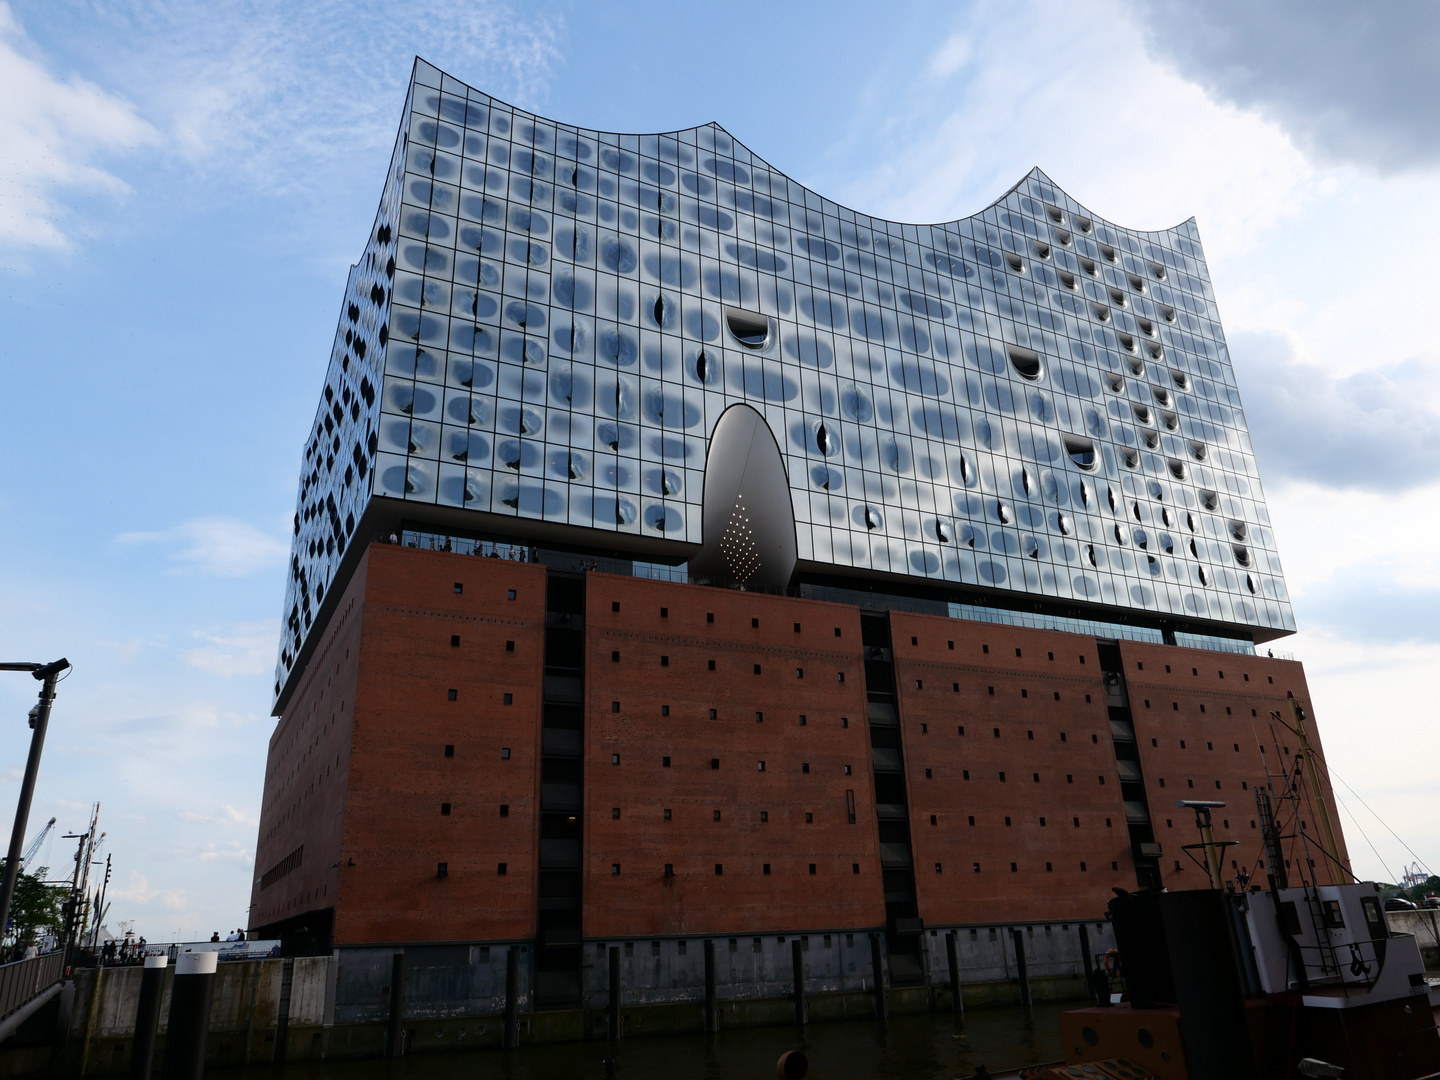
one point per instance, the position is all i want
(22, 980)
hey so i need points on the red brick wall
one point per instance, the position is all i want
(640, 900)
(1192, 708)
(399, 775)
(306, 773)
(1065, 741)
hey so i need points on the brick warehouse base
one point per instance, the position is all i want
(484, 753)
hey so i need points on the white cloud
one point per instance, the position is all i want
(954, 54)
(55, 131)
(241, 649)
(218, 547)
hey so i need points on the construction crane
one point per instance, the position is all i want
(35, 844)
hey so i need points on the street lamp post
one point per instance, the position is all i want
(39, 720)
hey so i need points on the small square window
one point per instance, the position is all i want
(667, 813)
(840, 676)
(714, 763)
(937, 868)
(444, 809)
(500, 868)
(614, 605)
(799, 673)
(812, 869)
(665, 762)
(844, 721)
(1013, 868)
(809, 818)
(615, 813)
(924, 729)
(960, 728)
(664, 710)
(797, 628)
(505, 753)
(454, 641)
(1082, 868)
(854, 869)
(951, 644)
(965, 774)
(972, 819)
(802, 719)
(755, 623)
(1007, 823)
(837, 631)
(1017, 652)
(664, 661)
(847, 770)
(451, 695)
(614, 706)
(509, 699)
(504, 809)
(669, 869)
(934, 819)
(709, 616)
(711, 665)
(712, 714)
(761, 766)
(614, 759)
(1030, 735)
(919, 684)
(664, 613)
(992, 690)
(928, 775)
(757, 669)
(615, 656)
(805, 767)
(984, 648)
(719, 869)
(459, 588)
(715, 815)
(764, 816)
(449, 749)
(615, 869)
(764, 869)
(509, 646)
(509, 594)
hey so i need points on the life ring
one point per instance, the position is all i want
(1112, 962)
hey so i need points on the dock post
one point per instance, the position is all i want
(957, 1001)
(797, 967)
(147, 1017)
(711, 1005)
(394, 1031)
(190, 997)
(877, 970)
(1018, 936)
(510, 1037)
(613, 1026)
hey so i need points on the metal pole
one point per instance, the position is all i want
(394, 1034)
(797, 968)
(147, 1017)
(711, 1006)
(47, 674)
(190, 997)
(957, 1002)
(613, 1005)
(877, 968)
(1018, 936)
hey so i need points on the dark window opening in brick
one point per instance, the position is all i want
(664, 661)
(805, 767)
(614, 706)
(444, 809)
(615, 813)
(812, 869)
(719, 869)
(797, 628)
(451, 695)
(454, 641)
(449, 749)
(837, 631)
(712, 665)
(665, 763)
(714, 763)
(757, 669)
(505, 753)
(712, 714)
(669, 869)
(709, 616)
(504, 809)
(764, 869)
(459, 587)
(509, 594)
(755, 624)
(614, 605)
(509, 699)
(664, 710)
(442, 869)
(664, 613)
(615, 657)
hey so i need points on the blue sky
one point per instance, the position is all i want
(183, 187)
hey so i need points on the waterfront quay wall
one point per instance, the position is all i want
(338, 1006)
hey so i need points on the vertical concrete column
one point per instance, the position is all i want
(395, 1032)
(1018, 936)
(797, 968)
(1087, 964)
(147, 1017)
(877, 970)
(957, 1002)
(712, 1015)
(190, 998)
(511, 1035)
(613, 1027)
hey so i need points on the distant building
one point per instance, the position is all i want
(853, 576)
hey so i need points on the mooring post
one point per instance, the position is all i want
(877, 969)
(797, 967)
(190, 997)
(147, 1017)
(712, 1016)
(1018, 936)
(612, 1028)
(395, 1032)
(510, 1037)
(957, 1002)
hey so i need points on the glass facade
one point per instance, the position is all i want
(548, 322)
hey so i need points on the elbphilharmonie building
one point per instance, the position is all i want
(681, 554)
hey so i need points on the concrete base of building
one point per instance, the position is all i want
(246, 1028)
